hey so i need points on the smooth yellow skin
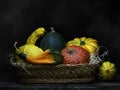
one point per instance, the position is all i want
(30, 50)
(90, 44)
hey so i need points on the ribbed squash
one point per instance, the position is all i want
(90, 44)
(107, 70)
(52, 40)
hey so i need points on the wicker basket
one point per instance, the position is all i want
(62, 73)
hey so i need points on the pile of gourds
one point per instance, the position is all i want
(53, 49)
(47, 53)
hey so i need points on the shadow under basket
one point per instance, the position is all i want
(62, 73)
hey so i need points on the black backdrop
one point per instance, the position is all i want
(99, 19)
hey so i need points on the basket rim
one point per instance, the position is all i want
(18, 64)
(15, 63)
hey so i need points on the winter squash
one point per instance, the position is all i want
(52, 40)
(90, 44)
(75, 55)
(107, 70)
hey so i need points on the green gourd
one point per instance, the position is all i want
(52, 40)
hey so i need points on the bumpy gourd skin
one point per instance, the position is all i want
(75, 55)
(35, 35)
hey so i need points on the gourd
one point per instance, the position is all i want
(52, 40)
(30, 48)
(75, 55)
(35, 36)
(33, 54)
(107, 70)
(47, 57)
(90, 44)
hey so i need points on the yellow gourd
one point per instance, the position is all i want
(35, 35)
(29, 48)
(107, 70)
(31, 53)
(90, 44)
(44, 58)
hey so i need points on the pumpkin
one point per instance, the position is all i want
(52, 40)
(75, 55)
(90, 44)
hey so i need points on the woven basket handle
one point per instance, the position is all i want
(11, 59)
(103, 53)
(13, 62)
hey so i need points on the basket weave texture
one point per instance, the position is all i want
(62, 73)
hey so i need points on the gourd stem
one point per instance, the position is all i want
(52, 29)
(15, 45)
(82, 43)
(70, 50)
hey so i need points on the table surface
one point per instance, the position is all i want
(8, 81)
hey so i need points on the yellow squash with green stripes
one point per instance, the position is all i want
(107, 70)
(90, 44)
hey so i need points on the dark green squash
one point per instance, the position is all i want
(52, 40)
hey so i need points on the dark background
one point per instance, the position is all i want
(99, 19)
